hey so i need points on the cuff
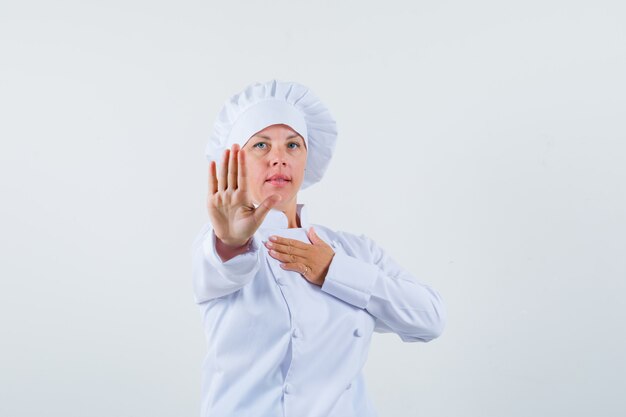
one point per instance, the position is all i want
(350, 279)
(237, 267)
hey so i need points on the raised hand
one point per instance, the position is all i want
(233, 216)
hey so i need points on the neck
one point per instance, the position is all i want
(291, 213)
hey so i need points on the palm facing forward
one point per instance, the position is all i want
(233, 216)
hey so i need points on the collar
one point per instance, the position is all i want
(276, 219)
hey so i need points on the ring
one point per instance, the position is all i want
(306, 270)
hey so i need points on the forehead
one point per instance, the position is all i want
(276, 137)
(276, 132)
(277, 129)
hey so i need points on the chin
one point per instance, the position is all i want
(287, 193)
(286, 197)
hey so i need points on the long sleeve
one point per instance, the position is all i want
(214, 278)
(372, 280)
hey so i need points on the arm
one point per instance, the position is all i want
(374, 281)
(212, 276)
(218, 269)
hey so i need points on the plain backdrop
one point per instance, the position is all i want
(482, 144)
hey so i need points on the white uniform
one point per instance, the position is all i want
(279, 346)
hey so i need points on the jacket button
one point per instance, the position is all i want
(296, 332)
(357, 332)
(287, 388)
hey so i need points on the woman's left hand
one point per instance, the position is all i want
(310, 260)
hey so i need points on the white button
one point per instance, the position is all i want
(287, 388)
(357, 332)
(349, 385)
(296, 333)
(280, 281)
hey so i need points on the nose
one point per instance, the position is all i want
(278, 157)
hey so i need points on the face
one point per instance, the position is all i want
(279, 151)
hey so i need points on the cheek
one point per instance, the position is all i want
(301, 169)
(253, 168)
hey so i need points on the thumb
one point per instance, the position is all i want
(264, 208)
(313, 237)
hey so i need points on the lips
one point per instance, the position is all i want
(278, 180)
(279, 177)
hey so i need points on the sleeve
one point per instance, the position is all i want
(214, 278)
(398, 302)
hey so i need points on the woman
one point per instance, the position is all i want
(289, 307)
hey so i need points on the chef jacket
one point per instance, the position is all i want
(280, 346)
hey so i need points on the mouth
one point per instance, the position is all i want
(278, 180)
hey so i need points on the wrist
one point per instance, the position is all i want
(227, 252)
(232, 245)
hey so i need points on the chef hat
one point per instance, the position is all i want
(276, 102)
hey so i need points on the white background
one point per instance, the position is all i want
(482, 144)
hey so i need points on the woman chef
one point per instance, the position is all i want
(289, 306)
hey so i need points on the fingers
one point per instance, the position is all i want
(282, 244)
(288, 249)
(212, 178)
(285, 257)
(241, 171)
(229, 169)
(299, 267)
(232, 165)
(261, 211)
(224, 171)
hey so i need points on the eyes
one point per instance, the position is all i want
(256, 145)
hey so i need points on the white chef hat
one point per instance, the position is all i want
(277, 102)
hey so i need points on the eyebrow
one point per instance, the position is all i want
(268, 138)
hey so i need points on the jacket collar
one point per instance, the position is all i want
(276, 219)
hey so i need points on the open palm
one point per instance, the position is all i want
(233, 216)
